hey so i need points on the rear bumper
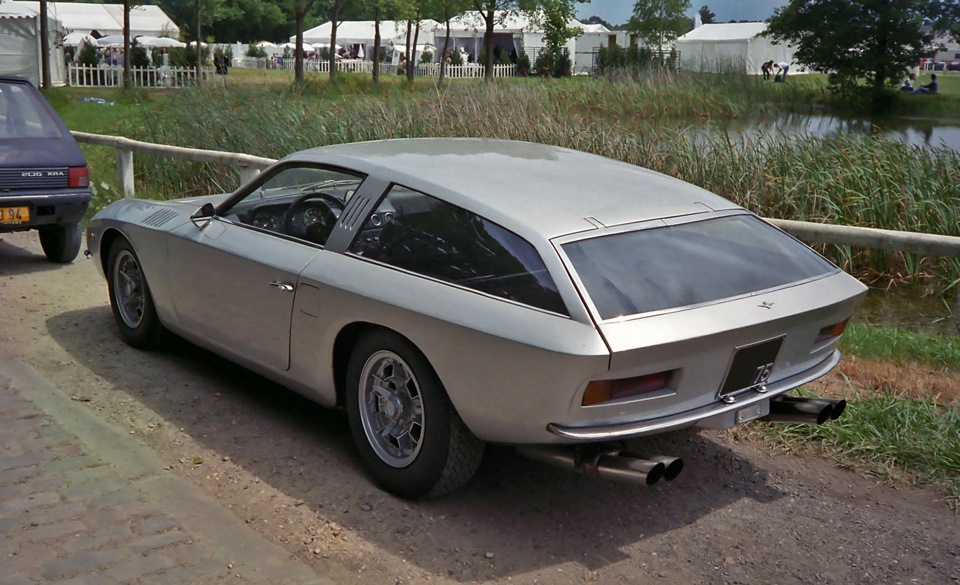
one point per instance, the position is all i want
(715, 415)
(47, 208)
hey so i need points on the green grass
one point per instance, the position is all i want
(892, 344)
(891, 437)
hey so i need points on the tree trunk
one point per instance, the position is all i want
(406, 49)
(126, 45)
(334, 17)
(488, 17)
(376, 44)
(196, 17)
(44, 46)
(411, 70)
(300, 13)
(446, 46)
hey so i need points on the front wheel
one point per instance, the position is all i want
(61, 243)
(130, 299)
(408, 434)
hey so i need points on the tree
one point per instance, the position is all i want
(488, 10)
(872, 41)
(597, 20)
(659, 22)
(706, 15)
(554, 19)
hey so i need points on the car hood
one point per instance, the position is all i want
(41, 152)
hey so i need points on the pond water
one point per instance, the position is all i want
(926, 132)
(909, 309)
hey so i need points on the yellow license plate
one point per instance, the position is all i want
(14, 214)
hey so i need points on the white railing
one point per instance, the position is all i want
(250, 166)
(112, 76)
(468, 71)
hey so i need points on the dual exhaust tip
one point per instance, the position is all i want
(626, 465)
(607, 462)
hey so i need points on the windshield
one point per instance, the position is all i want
(23, 115)
(668, 267)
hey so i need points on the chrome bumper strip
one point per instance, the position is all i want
(689, 418)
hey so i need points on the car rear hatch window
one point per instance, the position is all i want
(22, 115)
(655, 269)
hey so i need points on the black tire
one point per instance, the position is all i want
(61, 243)
(432, 452)
(130, 299)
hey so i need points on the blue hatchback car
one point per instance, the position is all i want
(44, 182)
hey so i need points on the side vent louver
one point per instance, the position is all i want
(355, 213)
(160, 217)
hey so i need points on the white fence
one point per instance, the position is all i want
(112, 76)
(468, 71)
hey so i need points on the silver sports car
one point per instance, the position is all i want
(453, 292)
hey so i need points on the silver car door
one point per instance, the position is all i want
(233, 288)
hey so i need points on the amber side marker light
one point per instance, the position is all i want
(830, 332)
(79, 177)
(600, 391)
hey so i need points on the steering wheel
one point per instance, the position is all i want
(317, 229)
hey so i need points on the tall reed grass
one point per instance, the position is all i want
(845, 179)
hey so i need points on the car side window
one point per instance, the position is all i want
(302, 201)
(422, 234)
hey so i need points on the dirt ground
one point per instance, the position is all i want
(287, 468)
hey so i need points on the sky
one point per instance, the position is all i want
(619, 11)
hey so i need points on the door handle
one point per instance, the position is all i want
(282, 286)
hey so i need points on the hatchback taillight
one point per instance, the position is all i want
(79, 177)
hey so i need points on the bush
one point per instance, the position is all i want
(523, 64)
(256, 52)
(138, 57)
(456, 58)
(88, 55)
(426, 57)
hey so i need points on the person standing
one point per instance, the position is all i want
(220, 64)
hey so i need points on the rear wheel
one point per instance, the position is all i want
(130, 299)
(408, 434)
(61, 243)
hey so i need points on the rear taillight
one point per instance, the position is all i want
(830, 333)
(79, 177)
(600, 391)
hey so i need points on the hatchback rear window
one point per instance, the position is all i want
(22, 115)
(664, 268)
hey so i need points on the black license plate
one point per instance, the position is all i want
(751, 366)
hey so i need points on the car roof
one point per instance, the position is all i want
(523, 186)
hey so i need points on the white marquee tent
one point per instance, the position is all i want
(20, 44)
(360, 34)
(730, 48)
(107, 19)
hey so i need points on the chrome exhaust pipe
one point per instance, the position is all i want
(672, 466)
(836, 406)
(798, 409)
(612, 464)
